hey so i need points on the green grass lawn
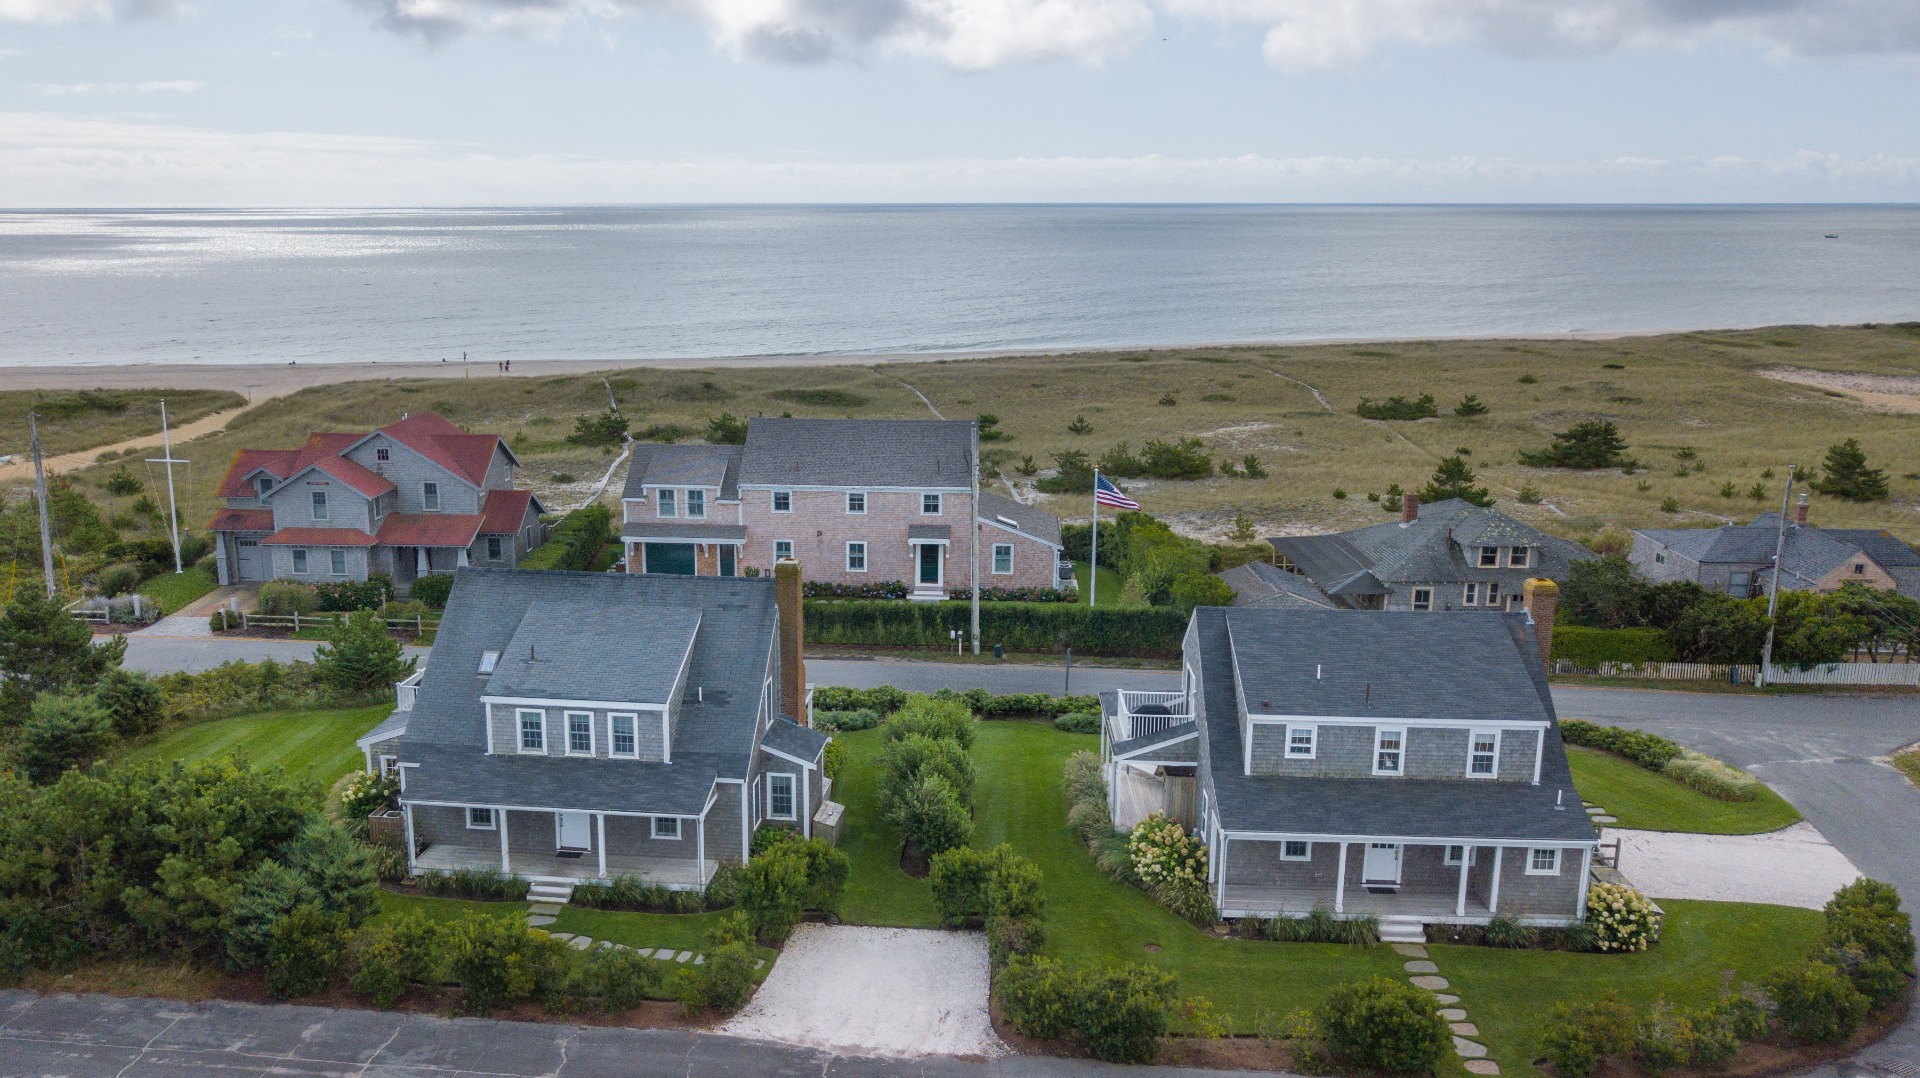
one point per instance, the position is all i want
(877, 892)
(310, 744)
(175, 590)
(1110, 585)
(1642, 799)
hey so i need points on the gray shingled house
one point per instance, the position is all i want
(1451, 555)
(1407, 767)
(588, 725)
(1738, 559)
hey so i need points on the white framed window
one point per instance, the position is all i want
(430, 497)
(929, 505)
(1300, 742)
(856, 557)
(1517, 557)
(1003, 558)
(299, 559)
(319, 505)
(1296, 849)
(666, 827)
(668, 504)
(337, 561)
(783, 501)
(479, 819)
(1483, 754)
(383, 454)
(1423, 598)
(1470, 594)
(489, 660)
(1543, 861)
(533, 730)
(1489, 557)
(696, 504)
(579, 733)
(856, 501)
(1456, 853)
(783, 550)
(780, 800)
(495, 548)
(262, 484)
(621, 732)
(1492, 590)
(1389, 751)
(390, 767)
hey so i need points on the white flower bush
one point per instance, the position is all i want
(1622, 918)
(1164, 854)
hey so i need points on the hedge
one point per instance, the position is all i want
(575, 541)
(1650, 751)
(1587, 648)
(884, 700)
(1035, 627)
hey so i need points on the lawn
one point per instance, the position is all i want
(877, 892)
(1110, 585)
(309, 744)
(175, 590)
(1642, 799)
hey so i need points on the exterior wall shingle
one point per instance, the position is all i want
(1525, 896)
(505, 721)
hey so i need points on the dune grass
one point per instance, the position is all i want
(74, 420)
(1641, 799)
(316, 745)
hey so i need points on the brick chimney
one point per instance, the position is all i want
(1409, 507)
(1800, 513)
(1542, 600)
(793, 631)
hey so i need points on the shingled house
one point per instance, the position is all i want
(588, 725)
(1451, 555)
(1738, 559)
(860, 501)
(412, 498)
(1408, 767)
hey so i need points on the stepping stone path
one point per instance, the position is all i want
(541, 914)
(1423, 972)
(1598, 814)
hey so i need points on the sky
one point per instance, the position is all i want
(476, 102)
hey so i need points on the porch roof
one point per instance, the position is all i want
(319, 537)
(242, 520)
(429, 529)
(543, 783)
(792, 739)
(1185, 750)
(686, 533)
(927, 533)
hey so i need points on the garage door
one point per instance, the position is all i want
(253, 559)
(675, 559)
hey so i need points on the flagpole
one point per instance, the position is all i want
(1093, 556)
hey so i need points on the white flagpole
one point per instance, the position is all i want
(1093, 556)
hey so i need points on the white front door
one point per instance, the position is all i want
(1382, 864)
(576, 830)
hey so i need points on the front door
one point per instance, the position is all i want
(930, 564)
(576, 830)
(1382, 864)
(727, 554)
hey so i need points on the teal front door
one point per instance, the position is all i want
(674, 559)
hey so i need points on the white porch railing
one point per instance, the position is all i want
(405, 690)
(1143, 713)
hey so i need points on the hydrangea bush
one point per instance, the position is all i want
(367, 793)
(1164, 854)
(1622, 918)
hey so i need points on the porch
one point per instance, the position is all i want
(1433, 906)
(1139, 714)
(1430, 882)
(674, 872)
(668, 851)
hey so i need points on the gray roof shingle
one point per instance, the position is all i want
(1030, 519)
(1258, 584)
(579, 650)
(1428, 550)
(690, 464)
(910, 453)
(795, 740)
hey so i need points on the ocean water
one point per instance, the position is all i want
(707, 282)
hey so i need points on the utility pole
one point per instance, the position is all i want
(973, 533)
(1773, 593)
(173, 510)
(40, 489)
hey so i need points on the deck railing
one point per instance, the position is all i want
(1143, 713)
(405, 690)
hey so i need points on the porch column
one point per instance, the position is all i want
(806, 800)
(1493, 893)
(1466, 862)
(600, 840)
(1340, 882)
(406, 819)
(1586, 881)
(746, 825)
(420, 563)
(699, 853)
(500, 820)
(1226, 842)
(460, 559)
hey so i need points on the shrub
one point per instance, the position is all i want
(1663, 1039)
(499, 960)
(360, 656)
(63, 730)
(1709, 776)
(431, 590)
(1622, 918)
(635, 894)
(1866, 915)
(839, 721)
(345, 596)
(614, 978)
(939, 718)
(1321, 926)
(931, 815)
(1381, 1024)
(308, 948)
(879, 589)
(483, 884)
(575, 541)
(366, 793)
(1650, 751)
(1037, 996)
(958, 878)
(884, 699)
(724, 981)
(134, 703)
(1032, 627)
(1165, 855)
(267, 895)
(1504, 930)
(1815, 1003)
(1124, 1011)
(1588, 444)
(118, 579)
(1712, 1042)
(1078, 722)
(1587, 648)
(1579, 1035)
(1399, 408)
(238, 688)
(394, 957)
(777, 886)
(906, 761)
(607, 428)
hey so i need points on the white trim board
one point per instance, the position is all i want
(1396, 722)
(546, 808)
(1411, 840)
(597, 705)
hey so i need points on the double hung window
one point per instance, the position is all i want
(780, 797)
(783, 501)
(299, 559)
(1517, 557)
(929, 505)
(533, 731)
(480, 819)
(1003, 558)
(1489, 557)
(696, 504)
(856, 557)
(430, 497)
(1483, 754)
(1470, 595)
(1543, 861)
(1295, 849)
(1423, 598)
(624, 741)
(856, 501)
(783, 550)
(579, 733)
(668, 505)
(1389, 750)
(1300, 742)
(495, 548)
(319, 505)
(337, 561)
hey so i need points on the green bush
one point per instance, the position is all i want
(267, 895)
(575, 541)
(1381, 1024)
(610, 979)
(1816, 1003)
(904, 762)
(134, 703)
(62, 731)
(1078, 722)
(308, 949)
(1650, 751)
(1505, 930)
(931, 815)
(1709, 776)
(1124, 1011)
(1011, 937)
(883, 700)
(1037, 996)
(239, 688)
(786, 880)
(723, 982)
(119, 579)
(841, 721)
(958, 878)
(1034, 627)
(498, 961)
(1622, 919)
(482, 884)
(393, 957)
(1587, 648)
(1398, 408)
(366, 793)
(1866, 915)
(360, 655)
(1578, 1036)
(941, 719)
(284, 598)
(431, 590)
(634, 894)
(345, 596)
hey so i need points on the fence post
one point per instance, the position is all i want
(419, 624)
(296, 621)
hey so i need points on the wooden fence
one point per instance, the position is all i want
(296, 622)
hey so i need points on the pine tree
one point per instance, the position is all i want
(1591, 443)
(45, 649)
(1847, 475)
(359, 656)
(1469, 406)
(1453, 479)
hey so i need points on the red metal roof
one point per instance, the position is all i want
(278, 462)
(503, 511)
(318, 537)
(242, 520)
(429, 529)
(466, 455)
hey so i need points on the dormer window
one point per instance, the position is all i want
(696, 504)
(489, 660)
(1489, 557)
(1387, 751)
(669, 507)
(262, 483)
(1517, 557)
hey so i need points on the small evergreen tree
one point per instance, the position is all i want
(1848, 477)
(122, 483)
(133, 702)
(727, 429)
(1469, 407)
(359, 656)
(63, 730)
(607, 428)
(45, 649)
(1453, 479)
(1589, 444)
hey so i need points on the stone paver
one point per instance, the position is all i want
(1606, 819)
(1482, 1066)
(1410, 950)
(580, 943)
(1594, 810)
(683, 956)
(563, 935)
(663, 954)
(537, 920)
(645, 952)
(1464, 1029)
(1421, 966)
(1469, 1049)
(544, 909)
(1453, 1014)
(1444, 998)
(1429, 982)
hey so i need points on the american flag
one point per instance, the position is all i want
(1105, 493)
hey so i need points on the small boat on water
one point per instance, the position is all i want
(1833, 235)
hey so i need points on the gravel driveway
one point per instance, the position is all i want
(1794, 866)
(876, 991)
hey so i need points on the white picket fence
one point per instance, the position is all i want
(1862, 674)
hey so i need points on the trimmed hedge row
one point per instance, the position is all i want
(1038, 627)
(1650, 751)
(884, 700)
(575, 541)
(1587, 648)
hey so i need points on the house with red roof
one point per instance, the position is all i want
(413, 498)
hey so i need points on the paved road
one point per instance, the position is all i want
(105, 1037)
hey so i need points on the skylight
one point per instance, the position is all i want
(488, 659)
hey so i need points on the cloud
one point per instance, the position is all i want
(57, 159)
(85, 89)
(58, 11)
